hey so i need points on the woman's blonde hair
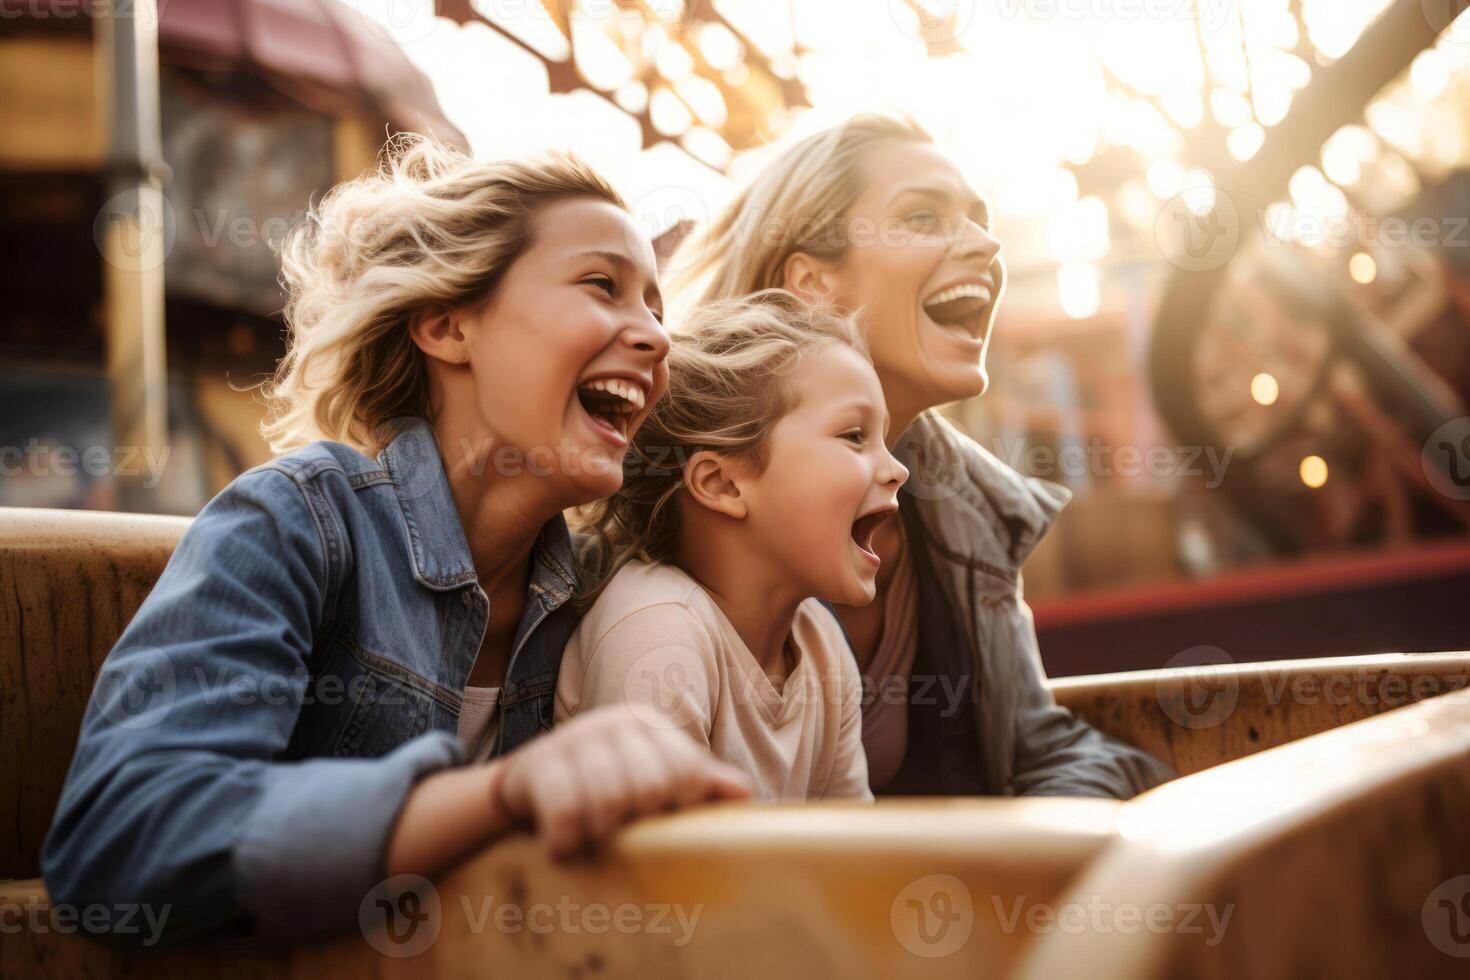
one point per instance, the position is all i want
(798, 203)
(429, 226)
(728, 366)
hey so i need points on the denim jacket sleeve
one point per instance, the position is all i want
(176, 797)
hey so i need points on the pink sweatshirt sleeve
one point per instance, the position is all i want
(850, 767)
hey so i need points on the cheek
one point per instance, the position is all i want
(886, 284)
(831, 485)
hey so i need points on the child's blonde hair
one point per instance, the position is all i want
(429, 226)
(728, 367)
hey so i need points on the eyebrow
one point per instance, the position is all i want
(967, 196)
(861, 406)
(624, 262)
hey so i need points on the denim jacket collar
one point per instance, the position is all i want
(437, 543)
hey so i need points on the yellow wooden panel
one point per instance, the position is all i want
(49, 116)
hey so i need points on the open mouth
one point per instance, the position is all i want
(611, 404)
(964, 307)
(865, 528)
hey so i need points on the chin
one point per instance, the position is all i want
(959, 384)
(598, 475)
(859, 593)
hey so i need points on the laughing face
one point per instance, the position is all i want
(829, 482)
(923, 266)
(568, 354)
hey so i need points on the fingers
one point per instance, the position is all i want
(604, 768)
(725, 782)
(697, 775)
(604, 790)
(555, 803)
(649, 774)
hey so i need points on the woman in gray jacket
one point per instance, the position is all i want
(871, 217)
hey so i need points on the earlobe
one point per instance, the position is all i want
(711, 481)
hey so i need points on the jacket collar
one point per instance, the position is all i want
(974, 506)
(437, 544)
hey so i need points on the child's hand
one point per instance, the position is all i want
(604, 767)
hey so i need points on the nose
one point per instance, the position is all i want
(891, 472)
(644, 333)
(975, 244)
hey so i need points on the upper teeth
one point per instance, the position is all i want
(967, 290)
(626, 390)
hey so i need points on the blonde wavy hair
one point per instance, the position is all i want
(728, 366)
(797, 203)
(428, 226)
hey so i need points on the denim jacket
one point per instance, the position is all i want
(297, 667)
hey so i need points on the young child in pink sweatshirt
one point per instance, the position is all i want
(756, 488)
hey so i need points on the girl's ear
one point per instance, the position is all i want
(806, 276)
(437, 333)
(711, 480)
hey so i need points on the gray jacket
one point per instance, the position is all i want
(973, 521)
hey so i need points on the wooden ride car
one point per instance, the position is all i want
(1319, 826)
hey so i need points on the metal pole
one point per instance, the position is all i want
(134, 232)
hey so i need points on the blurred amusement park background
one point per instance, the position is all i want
(1238, 318)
